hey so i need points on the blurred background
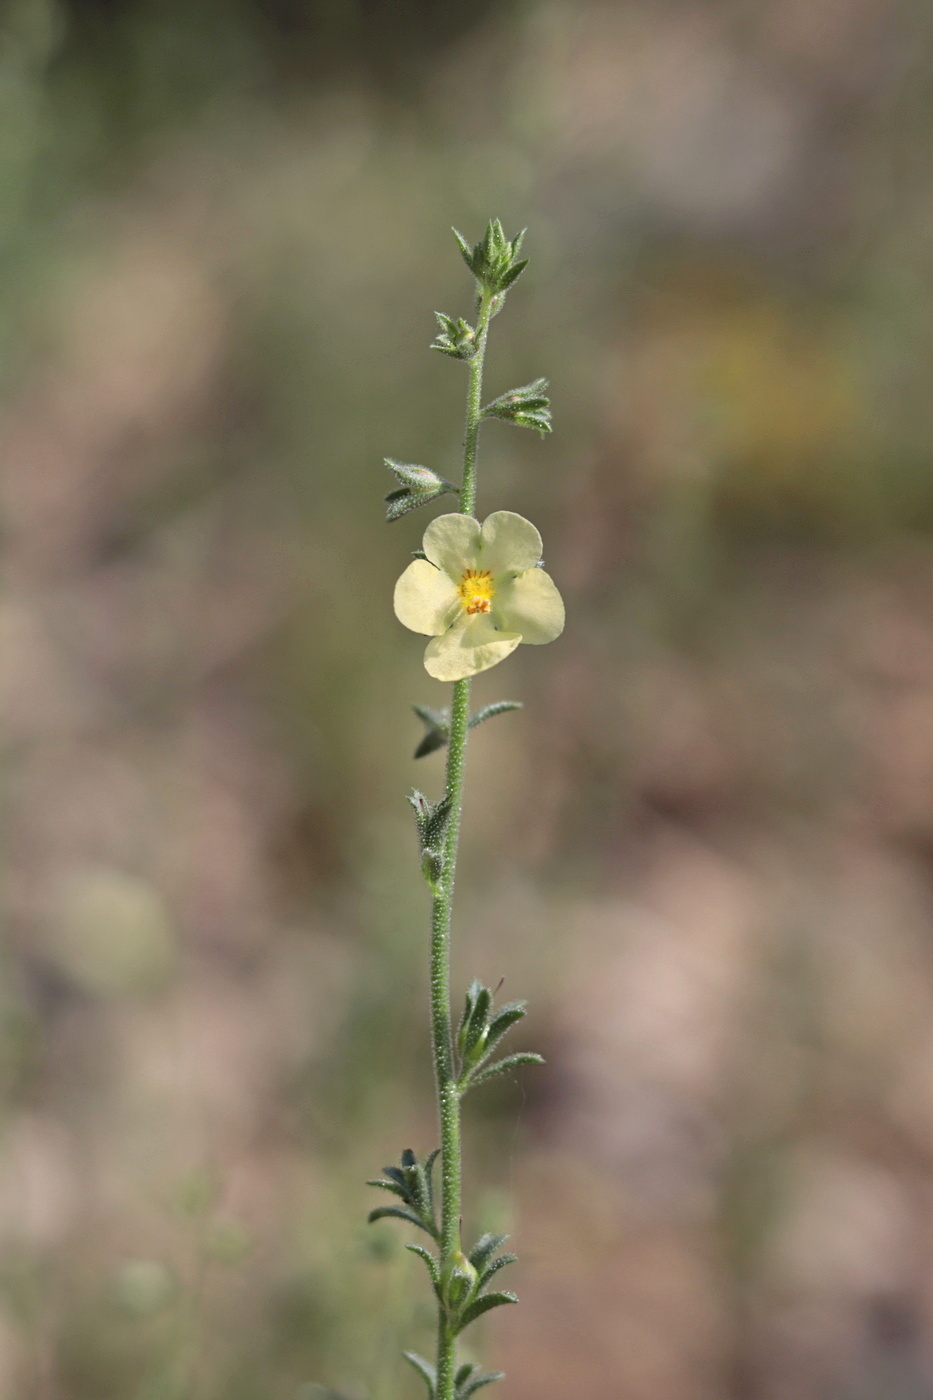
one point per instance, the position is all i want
(705, 848)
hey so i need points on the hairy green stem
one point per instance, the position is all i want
(448, 1096)
(474, 404)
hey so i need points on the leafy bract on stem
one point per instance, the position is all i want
(437, 723)
(417, 486)
(481, 1028)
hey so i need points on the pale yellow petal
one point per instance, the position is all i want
(470, 646)
(530, 604)
(509, 543)
(425, 599)
(451, 542)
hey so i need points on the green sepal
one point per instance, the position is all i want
(435, 826)
(474, 1380)
(432, 1266)
(503, 1067)
(419, 1186)
(425, 1370)
(400, 1213)
(431, 818)
(484, 1249)
(483, 1305)
(528, 406)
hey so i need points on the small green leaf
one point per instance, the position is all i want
(469, 1001)
(513, 274)
(485, 1248)
(498, 707)
(475, 1028)
(424, 1369)
(465, 250)
(483, 1305)
(504, 1067)
(503, 1020)
(493, 1268)
(432, 1266)
(429, 1175)
(400, 1214)
(437, 729)
(389, 1186)
(440, 719)
(432, 741)
(464, 1373)
(484, 1378)
(419, 1188)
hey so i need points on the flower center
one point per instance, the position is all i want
(477, 591)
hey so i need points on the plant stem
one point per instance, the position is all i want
(448, 1097)
(474, 403)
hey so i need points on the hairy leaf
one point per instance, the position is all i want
(401, 1213)
(392, 1186)
(493, 1268)
(483, 1378)
(483, 1305)
(485, 1248)
(424, 1369)
(432, 1265)
(505, 1066)
(498, 707)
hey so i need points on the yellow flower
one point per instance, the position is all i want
(478, 593)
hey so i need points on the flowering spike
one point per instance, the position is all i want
(477, 591)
